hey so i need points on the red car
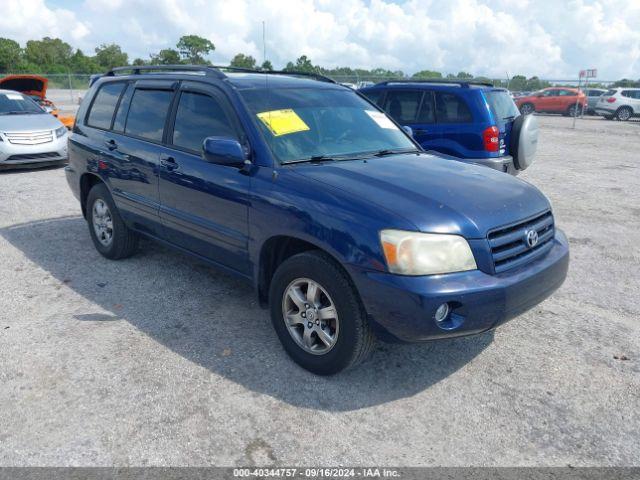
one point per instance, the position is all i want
(568, 101)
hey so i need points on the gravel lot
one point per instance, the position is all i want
(160, 360)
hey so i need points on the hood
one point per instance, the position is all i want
(27, 84)
(28, 123)
(435, 194)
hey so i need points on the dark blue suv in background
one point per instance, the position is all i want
(470, 121)
(347, 229)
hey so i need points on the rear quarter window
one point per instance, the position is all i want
(450, 108)
(104, 105)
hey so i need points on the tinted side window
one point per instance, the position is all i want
(104, 104)
(374, 95)
(403, 105)
(452, 109)
(566, 93)
(147, 113)
(123, 108)
(199, 116)
(427, 113)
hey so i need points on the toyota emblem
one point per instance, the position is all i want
(531, 237)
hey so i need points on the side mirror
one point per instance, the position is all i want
(408, 130)
(223, 151)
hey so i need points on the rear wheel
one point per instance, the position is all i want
(111, 237)
(527, 109)
(624, 113)
(573, 111)
(318, 315)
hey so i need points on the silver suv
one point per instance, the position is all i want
(621, 103)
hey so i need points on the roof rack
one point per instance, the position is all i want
(462, 83)
(211, 70)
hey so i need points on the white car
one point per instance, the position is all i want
(29, 136)
(621, 103)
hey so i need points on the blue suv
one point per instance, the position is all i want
(469, 121)
(348, 230)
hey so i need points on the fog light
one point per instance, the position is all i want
(442, 313)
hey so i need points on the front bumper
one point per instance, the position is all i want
(54, 151)
(404, 306)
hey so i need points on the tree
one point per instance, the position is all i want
(138, 62)
(303, 64)
(193, 48)
(266, 65)
(518, 83)
(109, 56)
(167, 56)
(80, 63)
(243, 61)
(52, 55)
(426, 74)
(10, 54)
(464, 75)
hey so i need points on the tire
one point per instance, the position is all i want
(573, 111)
(352, 337)
(111, 237)
(527, 108)
(623, 114)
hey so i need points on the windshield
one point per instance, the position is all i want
(305, 124)
(14, 103)
(502, 105)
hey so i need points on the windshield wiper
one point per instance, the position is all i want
(15, 112)
(314, 159)
(385, 152)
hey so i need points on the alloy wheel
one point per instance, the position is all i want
(102, 222)
(310, 316)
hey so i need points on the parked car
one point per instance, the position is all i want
(620, 103)
(470, 122)
(567, 101)
(36, 87)
(593, 95)
(28, 135)
(346, 228)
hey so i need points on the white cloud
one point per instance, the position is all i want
(492, 37)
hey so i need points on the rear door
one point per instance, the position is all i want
(134, 147)
(632, 98)
(455, 125)
(204, 206)
(133, 184)
(547, 101)
(565, 99)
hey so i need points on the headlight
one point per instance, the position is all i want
(61, 131)
(415, 253)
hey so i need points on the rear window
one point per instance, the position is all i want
(104, 105)
(501, 104)
(147, 113)
(608, 93)
(451, 109)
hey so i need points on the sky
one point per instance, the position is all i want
(553, 39)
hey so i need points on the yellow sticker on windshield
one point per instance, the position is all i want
(283, 122)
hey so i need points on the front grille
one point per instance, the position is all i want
(509, 247)
(34, 156)
(30, 138)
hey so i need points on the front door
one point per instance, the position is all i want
(204, 206)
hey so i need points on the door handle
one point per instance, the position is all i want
(111, 144)
(168, 161)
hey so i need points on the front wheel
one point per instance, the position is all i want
(111, 237)
(318, 315)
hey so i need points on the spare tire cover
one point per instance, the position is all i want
(524, 140)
